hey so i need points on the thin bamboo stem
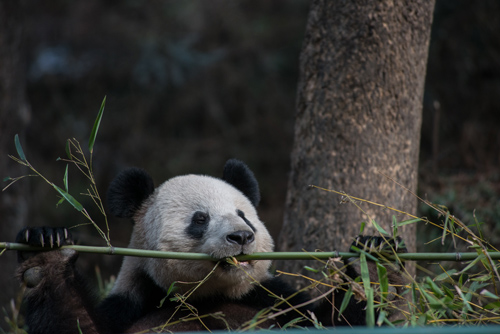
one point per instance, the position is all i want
(254, 256)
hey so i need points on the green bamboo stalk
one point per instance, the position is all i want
(255, 256)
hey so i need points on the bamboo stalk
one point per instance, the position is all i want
(255, 256)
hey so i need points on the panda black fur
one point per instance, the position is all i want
(191, 213)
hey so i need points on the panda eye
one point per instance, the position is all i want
(200, 218)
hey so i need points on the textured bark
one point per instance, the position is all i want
(359, 110)
(14, 115)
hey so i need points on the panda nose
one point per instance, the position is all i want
(240, 237)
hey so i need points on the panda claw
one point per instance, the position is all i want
(27, 235)
(51, 241)
(41, 240)
(65, 233)
(58, 240)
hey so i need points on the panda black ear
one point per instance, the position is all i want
(129, 189)
(241, 177)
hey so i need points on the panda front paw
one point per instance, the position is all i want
(35, 265)
(48, 237)
(377, 244)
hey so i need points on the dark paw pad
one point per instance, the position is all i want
(48, 237)
(376, 244)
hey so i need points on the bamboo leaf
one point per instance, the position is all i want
(65, 179)
(311, 269)
(445, 228)
(68, 149)
(472, 264)
(362, 228)
(78, 326)
(445, 275)
(379, 228)
(345, 301)
(384, 281)
(394, 226)
(358, 250)
(370, 311)
(381, 318)
(409, 221)
(97, 123)
(488, 294)
(448, 292)
(434, 302)
(71, 200)
(492, 306)
(434, 287)
(19, 148)
(365, 275)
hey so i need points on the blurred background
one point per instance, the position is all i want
(190, 84)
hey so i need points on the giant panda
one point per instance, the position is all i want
(190, 213)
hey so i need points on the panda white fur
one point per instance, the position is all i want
(191, 213)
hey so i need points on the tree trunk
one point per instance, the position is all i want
(14, 116)
(359, 110)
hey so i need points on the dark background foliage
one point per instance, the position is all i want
(190, 84)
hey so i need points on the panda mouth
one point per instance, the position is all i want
(231, 262)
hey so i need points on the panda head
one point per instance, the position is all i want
(194, 213)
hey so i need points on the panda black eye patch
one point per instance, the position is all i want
(198, 225)
(242, 216)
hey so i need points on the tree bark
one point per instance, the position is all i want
(14, 117)
(359, 108)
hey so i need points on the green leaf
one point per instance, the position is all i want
(434, 302)
(472, 263)
(69, 198)
(78, 326)
(60, 202)
(381, 318)
(19, 148)
(394, 226)
(492, 306)
(448, 292)
(311, 269)
(409, 221)
(370, 310)
(358, 250)
(289, 324)
(379, 228)
(8, 178)
(68, 149)
(171, 288)
(445, 228)
(434, 287)
(488, 294)
(445, 275)
(414, 298)
(362, 228)
(365, 275)
(384, 281)
(345, 301)
(465, 299)
(97, 123)
(65, 179)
